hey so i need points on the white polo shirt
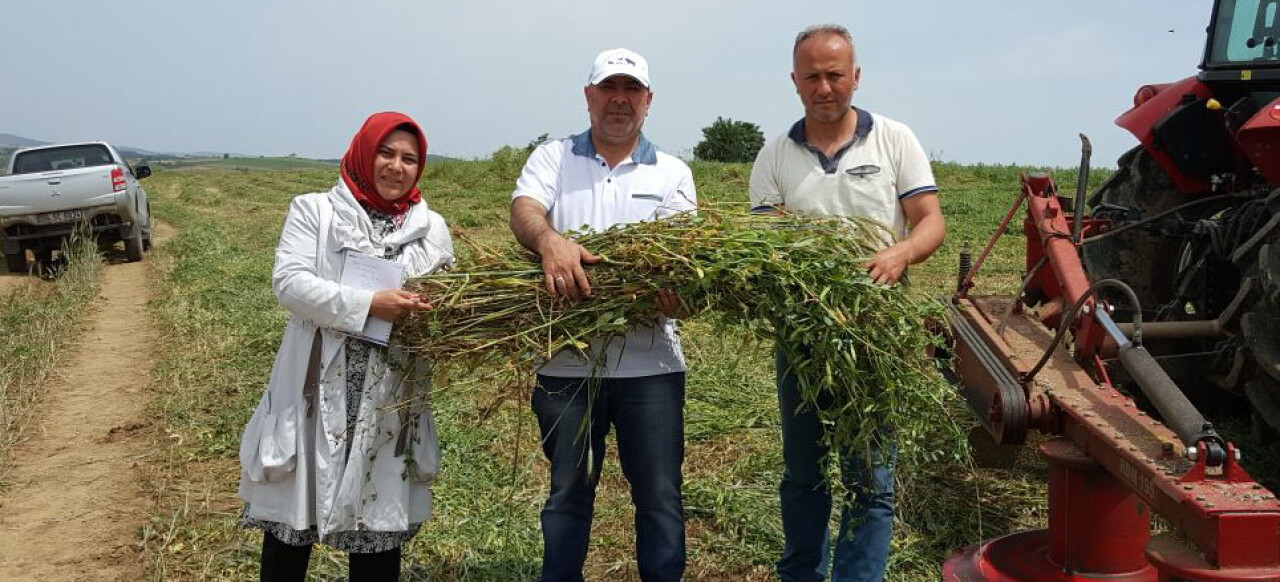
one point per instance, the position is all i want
(870, 176)
(581, 192)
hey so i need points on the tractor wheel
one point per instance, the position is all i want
(1151, 265)
(1146, 263)
(1260, 326)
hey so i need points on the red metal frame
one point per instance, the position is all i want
(1114, 465)
(1143, 117)
(1257, 138)
(1049, 234)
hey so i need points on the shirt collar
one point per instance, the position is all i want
(864, 127)
(645, 152)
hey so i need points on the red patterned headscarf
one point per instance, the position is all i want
(357, 163)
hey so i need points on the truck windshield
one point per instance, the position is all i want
(61, 158)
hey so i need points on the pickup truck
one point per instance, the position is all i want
(50, 190)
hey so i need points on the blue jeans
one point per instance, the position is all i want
(648, 413)
(866, 520)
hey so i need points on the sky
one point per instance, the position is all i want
(980, 81)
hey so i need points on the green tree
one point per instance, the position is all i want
(727, 140)
(537, 141)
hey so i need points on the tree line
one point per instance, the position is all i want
(725, 140)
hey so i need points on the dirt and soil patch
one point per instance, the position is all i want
(10, 281)
(72, 502)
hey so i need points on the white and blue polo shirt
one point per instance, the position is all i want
(870, 176)
(582, 193)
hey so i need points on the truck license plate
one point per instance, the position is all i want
(62, 216)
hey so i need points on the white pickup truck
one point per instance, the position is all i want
(49, 190)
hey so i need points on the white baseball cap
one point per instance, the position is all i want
(619, 61)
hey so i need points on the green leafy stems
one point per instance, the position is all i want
(860, 350)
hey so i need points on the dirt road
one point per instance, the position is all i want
(73, 504)
(10, 281)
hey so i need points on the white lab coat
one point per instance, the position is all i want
(294, 467)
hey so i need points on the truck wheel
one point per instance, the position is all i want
(133, 245)
(17, 262)
(151, 228)
(46, 267)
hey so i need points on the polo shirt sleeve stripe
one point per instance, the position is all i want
(920, 190)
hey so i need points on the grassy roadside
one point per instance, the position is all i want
(38, 322)
(220, 328)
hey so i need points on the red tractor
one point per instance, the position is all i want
(1169, 288)
(1199, 210)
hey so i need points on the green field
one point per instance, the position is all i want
(221, 327)
(244, 164)
(250, 164)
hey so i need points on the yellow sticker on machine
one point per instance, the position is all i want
(1246, 75)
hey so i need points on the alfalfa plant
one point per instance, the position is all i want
(860, 350)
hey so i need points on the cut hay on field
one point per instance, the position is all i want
(859, 349)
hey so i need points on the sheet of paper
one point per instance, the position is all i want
(374, 274)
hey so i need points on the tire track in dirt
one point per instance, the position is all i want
(74, 502)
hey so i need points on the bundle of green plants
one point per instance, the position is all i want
(858, 349)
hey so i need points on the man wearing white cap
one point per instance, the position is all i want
(608, 175)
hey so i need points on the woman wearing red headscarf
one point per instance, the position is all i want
(326, 458)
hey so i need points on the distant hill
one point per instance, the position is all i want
(10, 141)
(241, 163)
(430, 159)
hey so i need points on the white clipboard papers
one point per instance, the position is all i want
(373, 274)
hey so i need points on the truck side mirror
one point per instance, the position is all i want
(142, 171)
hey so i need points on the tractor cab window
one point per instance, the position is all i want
(1245, 32)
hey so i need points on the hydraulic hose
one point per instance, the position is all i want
(1070, 316)
(1177, 411)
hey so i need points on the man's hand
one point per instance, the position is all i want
(562, 261)
(889, 264)
(393, 304)
(668, 303)
(928, 228)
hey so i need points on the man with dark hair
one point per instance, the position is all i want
(840, 160)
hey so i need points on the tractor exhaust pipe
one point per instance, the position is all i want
(1082, 183)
